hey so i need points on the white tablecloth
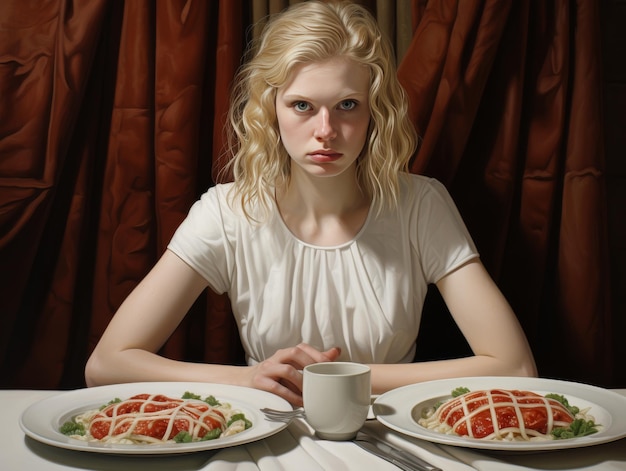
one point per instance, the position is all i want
(294, 448)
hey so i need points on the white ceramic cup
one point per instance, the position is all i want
(336, 398)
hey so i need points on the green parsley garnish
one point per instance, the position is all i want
(210, 400)
(578, 428)
(236, 417)
(460, 391)
(212, 434)
(557, 397)
(72, 428)
(183, 437)
(190, 395)
(112, 401)
(455, 393)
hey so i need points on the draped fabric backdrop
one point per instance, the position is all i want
(111, 118)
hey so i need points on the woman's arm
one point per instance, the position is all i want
(489, 325)
(146, 319)
(143, 323)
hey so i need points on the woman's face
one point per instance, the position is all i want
(323, 115)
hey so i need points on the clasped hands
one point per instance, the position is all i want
(281, 374)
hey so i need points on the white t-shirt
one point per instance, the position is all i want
(364, 296)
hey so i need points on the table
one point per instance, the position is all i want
(293, 448)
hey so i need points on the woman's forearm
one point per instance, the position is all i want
(140, 365)
(387, 377)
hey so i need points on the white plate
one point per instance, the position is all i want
(400, 409)
(42, 419)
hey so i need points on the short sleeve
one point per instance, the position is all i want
(443, 241)
(201, 240)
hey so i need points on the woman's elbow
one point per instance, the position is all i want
(94, 371)
(531, 371)
(527, 367)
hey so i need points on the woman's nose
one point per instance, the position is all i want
(324, 130)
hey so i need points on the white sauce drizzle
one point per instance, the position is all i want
(184, 410)
(437, 420)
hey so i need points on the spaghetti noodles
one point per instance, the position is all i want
(154, 419)
(498, 414)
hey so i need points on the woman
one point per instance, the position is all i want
(324, 242)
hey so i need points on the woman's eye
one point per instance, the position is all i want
(301, 106)
(347, 105)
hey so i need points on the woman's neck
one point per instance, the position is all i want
(324, 211)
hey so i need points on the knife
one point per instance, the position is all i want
(402, 459)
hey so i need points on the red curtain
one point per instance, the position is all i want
(507, 96)
(111, 120)
(108, 111)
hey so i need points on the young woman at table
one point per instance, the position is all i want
(324, 243)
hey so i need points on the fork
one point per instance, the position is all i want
(404, 460)
(282, 415)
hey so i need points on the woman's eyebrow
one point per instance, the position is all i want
(349, 93)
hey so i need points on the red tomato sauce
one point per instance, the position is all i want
(153, 415)
(482, 413)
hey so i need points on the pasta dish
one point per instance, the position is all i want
(511, 415)
(157, 419)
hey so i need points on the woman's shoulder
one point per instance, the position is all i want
(421, 194)
(412, 184)
(213, 208)
(219, 191)
(219, 195)
(224, 201)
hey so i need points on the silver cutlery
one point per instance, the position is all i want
(402, 459)
(282, 415)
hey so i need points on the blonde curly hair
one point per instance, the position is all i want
(315, 31)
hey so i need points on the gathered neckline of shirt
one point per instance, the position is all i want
(343, 245)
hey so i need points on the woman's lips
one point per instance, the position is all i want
(324, 156)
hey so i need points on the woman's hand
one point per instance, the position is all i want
(281, 374)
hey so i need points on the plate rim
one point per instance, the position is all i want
(594, 394)
(37, 420)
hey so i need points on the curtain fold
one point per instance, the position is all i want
(506, 97)
(47, 53)
(584, 308)
(111, 126)
(125, 239)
